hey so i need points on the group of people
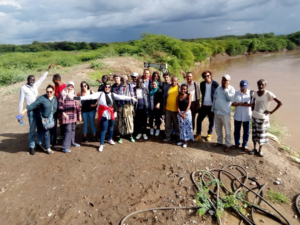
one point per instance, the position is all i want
(147, 99)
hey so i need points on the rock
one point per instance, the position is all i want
(295, 217)
(253, 183)
(262, 220)
(207, 168)
(50, 214)
(90, 215)
(277, 182)
(194, 201)
(278, 179)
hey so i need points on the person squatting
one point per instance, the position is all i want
(146, 101)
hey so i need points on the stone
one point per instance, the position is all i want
(277, 182)
(253, 183)
(50, 214)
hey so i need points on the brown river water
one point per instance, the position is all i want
(282, 72)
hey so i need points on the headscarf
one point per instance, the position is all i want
(152, 91)
(68, 93)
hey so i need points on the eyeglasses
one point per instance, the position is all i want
(206, 76)
(49, 92)
(107, 86)
(84, 86)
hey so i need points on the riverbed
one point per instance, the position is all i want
(282, 72)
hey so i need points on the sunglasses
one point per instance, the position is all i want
(206, 76)
(49, 92)
(107, 87)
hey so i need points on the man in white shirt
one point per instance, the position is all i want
(242, 114)
(29, 93)
(194, 90)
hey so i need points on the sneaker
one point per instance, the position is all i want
(49, 151)
(95, 139)
(111, 142)
(208, 137)
(55, 148)
(75, 145)
(138, 136)
(145, 136)
(60, 137)
(198, 138)
(66, 150)
(100, 149)
(157, 132)
(131, 139)
(166, 139)
(120, 141)
(184, 145)
(151, 131)
(31, 151)
(179, 143)
(85, 140)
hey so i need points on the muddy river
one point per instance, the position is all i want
(282, 72)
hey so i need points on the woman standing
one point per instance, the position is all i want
(88, 111)
(155, 111)
(70, 114)
(48, 107)
(107, 111)
(184, 116)
(140, 109)
(260, 116)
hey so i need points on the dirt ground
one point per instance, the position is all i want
(88, 187)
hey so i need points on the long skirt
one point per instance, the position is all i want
(125, 119)
(186, 127)
(260, 131)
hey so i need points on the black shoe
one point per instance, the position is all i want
(85, 139)
(31, 151)
(95, 139)
(39, 147)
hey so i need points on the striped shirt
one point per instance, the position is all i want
(70, 107)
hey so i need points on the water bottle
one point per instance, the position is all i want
(20, 119)
(21, 122)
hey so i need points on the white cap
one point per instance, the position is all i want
(71, 83)
(134, 74)
(226, 76)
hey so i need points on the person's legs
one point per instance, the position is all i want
(103, 129)
(73, 127)
(53, 134)
(111, 129)
(39, 126)
(92, 115)
(151, 118)
(211, 118)
(227, 127)
(47, 138)
(85, 118)
(157, 116)
(219, 126)
(237, 132)
(193, 109)
(68, 136)
(246, 130)
(137, 122)
(169, 123)
(200, 118)
(175, 122)
(144, 121)
(32, 128)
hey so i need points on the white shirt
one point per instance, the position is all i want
(242, 113)
(262, 104)
(207, 97)
(102, 101)
(30, 94)
(191, 90)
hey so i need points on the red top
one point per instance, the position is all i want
(59, 89)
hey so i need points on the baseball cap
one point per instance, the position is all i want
(244, 84)
(134, 74)
(226, 76)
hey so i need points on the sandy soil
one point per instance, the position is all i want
(88, 187)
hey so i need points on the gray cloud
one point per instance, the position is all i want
(23, 21)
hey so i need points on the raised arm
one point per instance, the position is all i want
(43, 77)
(229, 93)
(121, 97)
(89, 97)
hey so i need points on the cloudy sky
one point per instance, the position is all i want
(22, 21)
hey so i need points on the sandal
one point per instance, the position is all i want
(217, 145)
(227, 149)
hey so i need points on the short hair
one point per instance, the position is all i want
(205, 72)
(104, 76)
(166, 74)
(84, 82)
(116, 75)
(262, 80)
(50, 86)
(188, 73)
(30, 76)
(174, 77)
(146, 70)
(57, 76)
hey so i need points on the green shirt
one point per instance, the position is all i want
(45, 105)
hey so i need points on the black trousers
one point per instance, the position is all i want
(193, 109)
(202, 113)
(140, 121)
(155, 114)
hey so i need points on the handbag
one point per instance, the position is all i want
(48, 123)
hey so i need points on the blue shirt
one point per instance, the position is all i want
(222, 100)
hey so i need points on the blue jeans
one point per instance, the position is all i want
(34, 118)
(237, 132)
(50, 136)
(104, 124)
(89, 118)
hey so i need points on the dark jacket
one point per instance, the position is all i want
(145, 96)
(214, 86)
(45, 105)
(158, 97)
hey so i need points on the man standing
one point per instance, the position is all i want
(221, 108)
(194, 90)
(242, 114)
(134, 77)
(59, 87)
(208, 88)
(165, 86)
(103, 82)
(170, 108)
(29, 93)
(147, 79)
(125, 107)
